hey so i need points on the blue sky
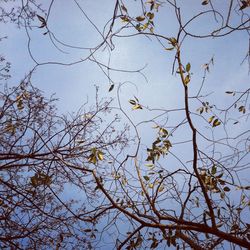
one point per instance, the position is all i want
(72, 84)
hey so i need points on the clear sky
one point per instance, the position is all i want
(73, 84)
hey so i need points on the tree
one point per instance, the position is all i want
(187, 189)
(41, 154)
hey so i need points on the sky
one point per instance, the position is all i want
(75, 84)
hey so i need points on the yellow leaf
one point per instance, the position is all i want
(145, 26)
(124, 181)
(188, 67)
(173, 41)
(216, 123)
(100, 155)
(137, 106)
(161, 188)
(92, 158)
(187, 80)
(149, 165)
(211, 119)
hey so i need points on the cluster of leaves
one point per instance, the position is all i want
(95, 156)
(135, 103)
(40, 179)
(241, 108)
(188, 75)
(145, 21)
(213, 181)
(173, 42)
(206, 107)
(160, 146)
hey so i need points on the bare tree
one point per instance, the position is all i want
(42, 155)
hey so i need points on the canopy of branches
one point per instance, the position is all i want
(157, 156)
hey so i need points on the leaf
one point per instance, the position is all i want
(169, 48)
(216, 123)
(214, 169)
(161, 188)
(133, 102)
(211, 119)
(10, 128)
(137, 106)
(205, 2)
(163, 131)
(222, 182)
(140, 18)
(42, 20)
(136, 99)
(173, 41)
(206, 67)
(145, 26)
(124, 18)
(187, 80)
(87, 230)
(20, 104)
(222, 195)
(188, 67)
(201, 110)
(226, 189)
(124, 8)
(124, 181)
(100, 155)
(150, 15)
(154, 244)
(146, 178)
(92, 158)
(111, 87)
(138, 27)
(138, 241)
(242, 109)
(219, 176)
(40, 179)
